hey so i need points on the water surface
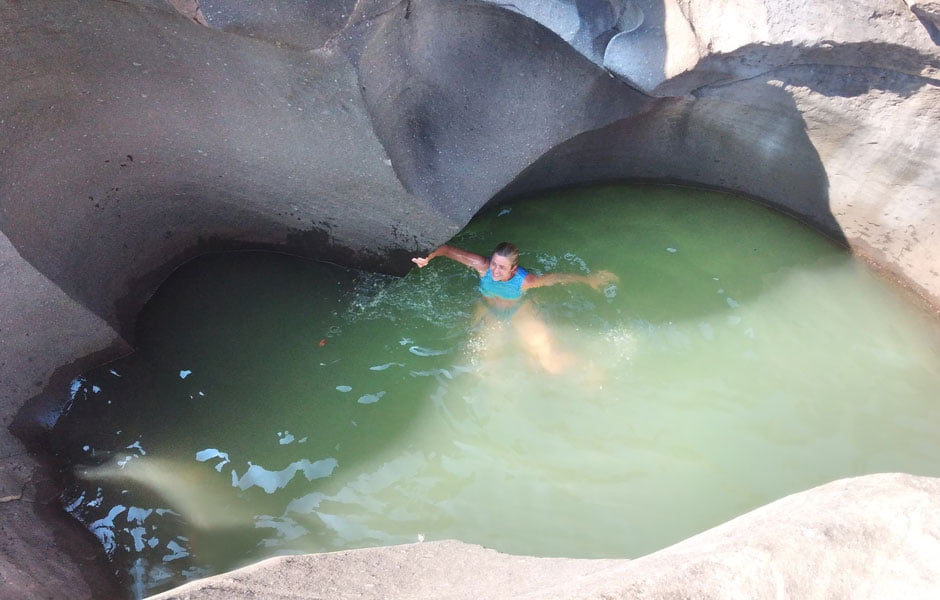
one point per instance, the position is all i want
(280, 406)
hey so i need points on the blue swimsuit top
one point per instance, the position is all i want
(508, 290)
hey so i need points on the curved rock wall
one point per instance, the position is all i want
(156, 136)
(461, 112)
(135, 137)
(869, 537)
(724, 145)
(826, 111)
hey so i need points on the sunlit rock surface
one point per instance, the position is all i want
(135, 135)
(869, 537)
(858, 85)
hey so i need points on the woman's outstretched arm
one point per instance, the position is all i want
(596, 280)
(474, 261)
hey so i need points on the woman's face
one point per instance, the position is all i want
(501, 268)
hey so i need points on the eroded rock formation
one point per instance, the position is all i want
(868, 537)
(134, 136)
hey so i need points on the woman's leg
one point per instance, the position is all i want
(538, 341)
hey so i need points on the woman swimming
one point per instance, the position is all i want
(503, 284)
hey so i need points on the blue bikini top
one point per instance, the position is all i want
(508, 290)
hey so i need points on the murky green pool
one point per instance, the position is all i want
(281, 406)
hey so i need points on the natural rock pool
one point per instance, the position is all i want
(279, 406)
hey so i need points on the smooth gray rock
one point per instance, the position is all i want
(647, 47)
(301, 23)
(559, 16)
(717, 144)
(465, 95)
(41, 328)
(631, 17)
(585, 24)
(870, 537)
(134, 138)
(160, 139)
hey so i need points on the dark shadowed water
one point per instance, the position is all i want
(281, 406)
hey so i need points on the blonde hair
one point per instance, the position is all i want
(508, 250)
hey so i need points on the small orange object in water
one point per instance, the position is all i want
(323, 342)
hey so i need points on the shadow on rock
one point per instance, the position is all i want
(830, 69)
(465, 95)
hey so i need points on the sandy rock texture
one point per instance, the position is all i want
(135, 135)
(826, 111)
(870, 537)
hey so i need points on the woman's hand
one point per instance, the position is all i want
(421, 261)
(474, 261)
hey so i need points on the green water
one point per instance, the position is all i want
(280, 406)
